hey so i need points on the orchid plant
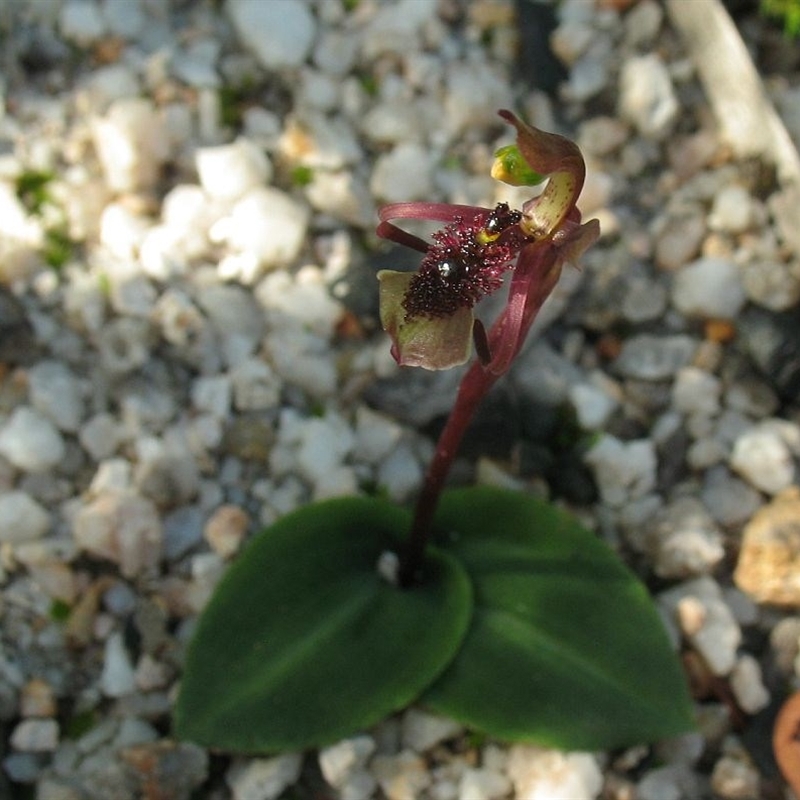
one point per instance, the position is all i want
(429, 315)
(498, 609)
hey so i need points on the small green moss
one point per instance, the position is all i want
(79, 724)
(302, 175)
(104, 284)
(317, 409)
(475, 740)
(233, 101)
(786, 10)
(230, 109)
(59, 611)
(369, 83)
(58, 247)
(350, 5)
(31, 189)
(372, 488)
(451, 161)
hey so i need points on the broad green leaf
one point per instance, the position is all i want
(566, 648)
(303, 643)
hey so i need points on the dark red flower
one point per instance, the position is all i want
(428, 313)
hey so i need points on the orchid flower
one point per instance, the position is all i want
(429, 313)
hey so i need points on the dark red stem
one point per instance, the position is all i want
(474, 386)
(536, 273)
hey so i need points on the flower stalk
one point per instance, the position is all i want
(428, 314)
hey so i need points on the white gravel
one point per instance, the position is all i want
(189, 349)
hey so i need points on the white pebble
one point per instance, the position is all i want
(225, 530)
(733, 779)
(335, 51)
(732, 210)
(30, 441)
(298, 358)
(762, 457)
(123, 528)
(401, 777)
(121, 230)
(263, 778)
(324, 442)
(166, 470)
(318, 90)
(196, 63)
(232, 311)
(123, 345)
(376, 435)
(267, 224)
(474, 90)
(623, 470)
(421, 731)
(704, 453)
(112, 475)
(541, 774)
(396, 27)
(228, 171)
(35, 736)
(22, 519)
(654, 358)
(118, 677)
(212, 393)
(304, 298)
(321, 142)
(403, 174)
(389, 123)
(483, 784)
(686, 540)
(339, 761)
(670, 782)
(698, 608)
(747, 685)
(99, 436)
(772, 283)
(131, 144)
(642, 23)
(590, 73)
(255, 386)
(278, 33)
(710, 287)
(696, 391)
(593, 404)
(15, 222)
(109, 83)
(132, 295)
(571, 39)
(342, 195)
(400, 472)
(81, 22)
(124, 17)
(341, 481)
(646, 97)
(602, 135)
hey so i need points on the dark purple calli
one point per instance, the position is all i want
(428, 313)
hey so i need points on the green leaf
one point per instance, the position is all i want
(566, 648)
(303, 643)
